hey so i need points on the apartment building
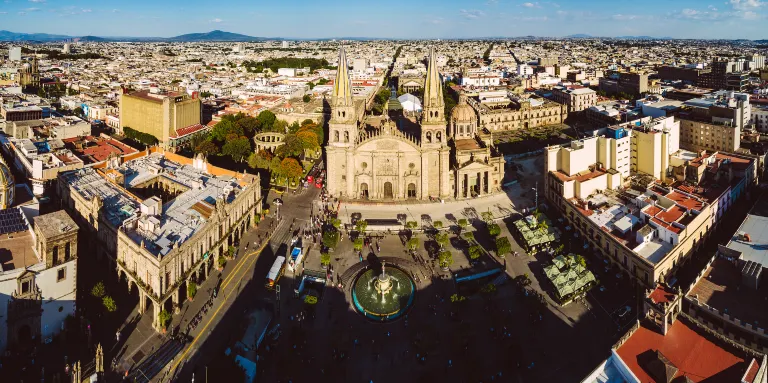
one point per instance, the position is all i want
(576, 98)
(649, 221)
(625, 82)
(160, 114)
(714, 122)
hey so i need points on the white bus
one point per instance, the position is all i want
(275, 272)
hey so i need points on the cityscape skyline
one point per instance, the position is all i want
(733, 19)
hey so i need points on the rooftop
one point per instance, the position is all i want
(92, 149)
(684, 351)
(16, 241)
(54, 224)
(721, 288)
(751, 239)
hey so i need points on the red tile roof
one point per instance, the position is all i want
(662, 294)
(694, 355)
(751, 373)
(188, 130)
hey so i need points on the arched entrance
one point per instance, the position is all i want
(388, 193)
(411, 190)
(364, 190)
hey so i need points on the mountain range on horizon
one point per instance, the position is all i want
(223, 36)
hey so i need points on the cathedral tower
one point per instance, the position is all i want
(342, 133)
(433, 127)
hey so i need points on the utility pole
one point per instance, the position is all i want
(277, 299)
(536, 189)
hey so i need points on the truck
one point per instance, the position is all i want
(275, 272)
(296, 256)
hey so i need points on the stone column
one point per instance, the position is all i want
(156, 316)
(424, 177)
(350, 168)
(142, 301)
(176, 304)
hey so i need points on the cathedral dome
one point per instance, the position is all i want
(7, 186)
(463, 112)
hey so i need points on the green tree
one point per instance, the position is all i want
(463, 223)
(98, 290)
(580, 260)
(291, 168)
(487, 216)
(559, 249)
(469, 236)
(78, 112)
(109, 304)
(222, 262)
(306, 98)
(292, 147)
(413, 243)
(543, 225)
(335, 222)
(294, 128)
(361, 225)
(207, 147)
(191, 289)
(437, 225)
(164, 318)
(280, 126)
(224, 128)
(266, 120)
(494, 230)
(330, 238)
(475, 252)
(238, 148)
(503, 246)
(249, 125)
(441, 239)
(260, 160)
(411, 224)
(456, 298)
(325, 259)
(358, 244)
(445, 259)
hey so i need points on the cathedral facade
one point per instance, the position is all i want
(388, 164)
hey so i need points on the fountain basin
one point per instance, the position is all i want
(383, 299)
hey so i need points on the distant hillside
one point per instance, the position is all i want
(578, 36)
(43, 37)
(212, 36)
(643, 38)
(92, 39)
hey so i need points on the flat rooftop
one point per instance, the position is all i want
(686, 351)
(720, 287)
(118, 205)
(92, 149)
(181, 217)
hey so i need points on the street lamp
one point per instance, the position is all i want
(536, 201)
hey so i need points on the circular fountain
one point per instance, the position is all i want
(383, 296)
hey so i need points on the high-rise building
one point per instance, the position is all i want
(67, 49)
(286, 44)
(14, 53)
(162, 114)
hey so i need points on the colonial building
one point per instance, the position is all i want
(161, 219)
(38, 275)
(502, 113)
(386, 163)
(29, 74)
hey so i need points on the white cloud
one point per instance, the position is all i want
(745, 5)
(115, 10)
(471, 14)
(86, 10)
(531, 5)
(435, 20)
(216, 20)
(622, 17)
(492, 2)
(31, 10)
(3, 13)
(37, 1)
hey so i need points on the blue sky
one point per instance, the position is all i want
(391, 18)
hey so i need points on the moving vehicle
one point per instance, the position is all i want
(275, 272)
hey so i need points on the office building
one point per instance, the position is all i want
(161, 114)
(576, 98)
(14, 53)
(714, 122)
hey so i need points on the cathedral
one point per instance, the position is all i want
(386, 163)
(29, 74)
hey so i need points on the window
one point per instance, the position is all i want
(56, 253)
(25, 287)
(61, 274)
(67, 251)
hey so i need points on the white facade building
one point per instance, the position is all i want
(14, 53)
